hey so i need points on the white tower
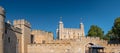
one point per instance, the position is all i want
(61, 26)
(2, 27)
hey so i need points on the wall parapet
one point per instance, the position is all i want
(113, 45)
(50, 44)
(22, 22)
(90, 38)
(40, 32)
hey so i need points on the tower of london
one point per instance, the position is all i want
(70, 33)
(18, 37)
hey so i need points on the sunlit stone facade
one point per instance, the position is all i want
(70, 33)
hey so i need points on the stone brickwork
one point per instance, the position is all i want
(2, 27)
(41, 36)
(26, 32)
(72, 46)
(12, 40)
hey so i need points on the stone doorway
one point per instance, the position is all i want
(96, 49)
(92, 48)
(87, 47)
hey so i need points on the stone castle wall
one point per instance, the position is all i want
(72, 46)
(76, 45)
(12, 39)
(26, 32)
(41, 36)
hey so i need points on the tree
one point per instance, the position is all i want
(114, 34)
(109, 35)
(116, 28)
(95, 31)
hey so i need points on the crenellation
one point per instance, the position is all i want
(50, 44)
(40, 32)
(91, 38)
(113, 45)
(19, 22)
(72, 29)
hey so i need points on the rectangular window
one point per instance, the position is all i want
(8, 39)
(32, 38)
(6, 31)
(43, 41)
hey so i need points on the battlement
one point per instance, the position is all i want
(21, 22)
(73, 29)
(94, 39)
(41, 32)
(113, 45)
(50, 44)
(90, 38)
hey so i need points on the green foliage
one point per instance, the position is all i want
(108, 35)
(114, 33)
(95, 31)
(116, 28)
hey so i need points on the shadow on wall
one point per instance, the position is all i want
(9, 40)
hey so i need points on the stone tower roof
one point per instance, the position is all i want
(2, 11)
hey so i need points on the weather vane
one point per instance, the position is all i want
(81, 19)
(61, 18)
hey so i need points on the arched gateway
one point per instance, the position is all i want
(93, 48)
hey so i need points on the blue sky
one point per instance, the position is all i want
(44, 14)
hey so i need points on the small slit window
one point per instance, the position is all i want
(8, 39)
(6, 31)
(43, 42)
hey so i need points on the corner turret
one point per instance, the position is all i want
(26, 32)
(82, 28)
(2, 11)
(18, 23)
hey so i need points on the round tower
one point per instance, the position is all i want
(2, 27)
(82, 28)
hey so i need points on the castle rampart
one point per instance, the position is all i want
(17, 23)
